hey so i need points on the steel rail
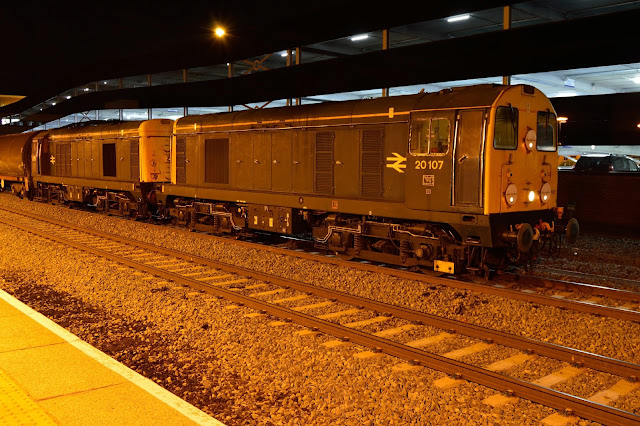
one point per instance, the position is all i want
(625, 295)
(484, 288)
(562, 353)
(548, 397)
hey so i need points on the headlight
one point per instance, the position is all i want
(511, 194)
(545, 193)
(532, 196)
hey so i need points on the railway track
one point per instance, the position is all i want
(580, 297)
(270, 293)
(585, 275)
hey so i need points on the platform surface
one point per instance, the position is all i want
(49, 376)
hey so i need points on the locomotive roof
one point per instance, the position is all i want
(463, 97)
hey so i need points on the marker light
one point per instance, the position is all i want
(532, 196)
(511, 194)
(458, 18)
(545, 193)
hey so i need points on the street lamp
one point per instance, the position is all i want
(219, 32)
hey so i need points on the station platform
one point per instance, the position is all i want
(49, 376)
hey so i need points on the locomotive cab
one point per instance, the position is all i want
(483, 167)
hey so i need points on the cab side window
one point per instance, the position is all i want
(546, 131)
(506, 129)
(430, 137)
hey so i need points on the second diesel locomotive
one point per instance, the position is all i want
(460, 179)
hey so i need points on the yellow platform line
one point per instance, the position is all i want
(142, 382)
(17, 408)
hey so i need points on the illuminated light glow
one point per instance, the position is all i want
(636, 80)
(530, 144)
(545, 197)
(638, 125)
(53, 103)
(219, 32)
(68, 97)
(593, 147)
(532, 196)
(458, 18)
(511, 200)
(360, 37)
(562, 119)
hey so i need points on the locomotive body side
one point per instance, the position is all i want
(409, 179)
(112, 166)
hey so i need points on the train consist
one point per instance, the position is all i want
(462, 179)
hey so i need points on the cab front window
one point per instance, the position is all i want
(506, 128)
(546, 131)
(430, 137)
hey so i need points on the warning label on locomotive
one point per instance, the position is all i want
(428, 180)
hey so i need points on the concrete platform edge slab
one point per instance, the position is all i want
(142, 382)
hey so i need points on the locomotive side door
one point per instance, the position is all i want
(262, 160)
(281, 145)
(428, 162)
(468, 158)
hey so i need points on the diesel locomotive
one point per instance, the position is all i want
(464, 178)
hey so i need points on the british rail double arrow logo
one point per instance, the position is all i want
(398, 162)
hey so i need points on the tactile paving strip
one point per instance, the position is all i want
(16, 408)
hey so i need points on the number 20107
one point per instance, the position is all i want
(431, 165)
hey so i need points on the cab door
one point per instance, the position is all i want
(428, 163)
(468, 158)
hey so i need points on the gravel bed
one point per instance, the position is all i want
(587, 383)
(240, 370)
(260, 374)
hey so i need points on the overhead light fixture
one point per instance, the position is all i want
(458, 18)
(219, 32)
(68, 97)
(562, 119)
(636, 80)
(360, 37)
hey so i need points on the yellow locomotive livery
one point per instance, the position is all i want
(462, 178)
